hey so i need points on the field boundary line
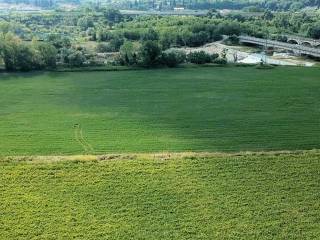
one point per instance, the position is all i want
(156, 156)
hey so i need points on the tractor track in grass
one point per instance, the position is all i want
(78, 134)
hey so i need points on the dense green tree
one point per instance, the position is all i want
(9, 55)
(167, 39)
(132, 35)
(85, 22)
(116, 43)
(76, 59)
(129, 53)
(149, 53)
(59, 41)
(151, 35)
(198, 39)
(201, 57)
(113, 16)
(102, 48)
(47, 54)
(24, 58)
(173, 58)
(314, 31)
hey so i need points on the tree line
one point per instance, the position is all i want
(274, 5)
(18, 55)
(29, 42)
(149, 53)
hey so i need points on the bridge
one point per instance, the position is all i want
(297, 49)
(164, 13)
(309, 42)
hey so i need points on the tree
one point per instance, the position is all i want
(76, 59)
(47, 54)
(129, 52)
(173, 58)
(151, 34)
(9, 51)
(24, 58)
(149, 53)
(115, 43)
(167, 39)
(9, 55)
(102, 48)
(113, 16)
(314, 31)
(85, 22)
(59, 41)
(268, 15)
(198, 39)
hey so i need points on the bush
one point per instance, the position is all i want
(102, 48)
(115, 44)
(129, 53)
(197, 39)
(173, 58)
(221, 61)
(201, 57)
(280, 38)
(132, 35)
(233, 39)
(149, 53)
(216, 37)
(76, 59)
(265, 66)
(150, 35)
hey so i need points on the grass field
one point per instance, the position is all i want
(195, 109)
(157, 188)
(217, 197)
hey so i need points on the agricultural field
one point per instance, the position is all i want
(201, 109)
(262, 196)
(116, 125)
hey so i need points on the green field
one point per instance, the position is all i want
(217, 197)
(167, 192)
(186, 109)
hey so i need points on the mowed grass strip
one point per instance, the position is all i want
(222, 197)
(197, 109)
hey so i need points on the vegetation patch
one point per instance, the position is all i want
(199, 197)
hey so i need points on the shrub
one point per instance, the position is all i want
(173, 58)
(76, 59)
(201, 57)
(149, 53)
(132, 35)
(102, 48)
(197, 39)
(221, 61)
(129, 53)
